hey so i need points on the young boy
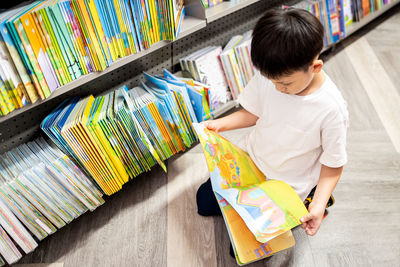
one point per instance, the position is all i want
(300, 116)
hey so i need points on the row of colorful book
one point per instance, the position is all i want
(337, 15)
(41, 190)
(119, 135)
(102, 142)
(362, 8)
(226, 71)
(49, 43)
(211, 3)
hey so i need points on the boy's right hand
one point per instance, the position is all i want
(213, 125)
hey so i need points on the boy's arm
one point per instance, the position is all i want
(327, 182)
(239, 119)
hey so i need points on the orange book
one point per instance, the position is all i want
(366, 7)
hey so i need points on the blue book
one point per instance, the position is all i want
(135, 22)
(342, 21)
(161, 89)
(115, 25)
(184, 90)
(126, 12)
(196, 98)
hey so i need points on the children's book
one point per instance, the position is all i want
(258, 212)
(14, 55)
(196, 97)
(231, 67)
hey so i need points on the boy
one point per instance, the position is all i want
(300, 116)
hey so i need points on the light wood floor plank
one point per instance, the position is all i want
(380, 89)
(191, 239)
(128, 230)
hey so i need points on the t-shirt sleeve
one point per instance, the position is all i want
(333, 140)
(250, 98)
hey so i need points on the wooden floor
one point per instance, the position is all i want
(153, 220)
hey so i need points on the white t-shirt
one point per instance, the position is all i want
(296, 134)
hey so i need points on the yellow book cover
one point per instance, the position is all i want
(35, 37)
(27, 34)
(11, 92)
(91, 34)
(154, 21)
(7, 98)
(76, 7)
(124, 31)
(50, 51)
(78, 143)
(104, 174)
(183, 111)
(114, 177)
(105, 145)
(94, 154)
(161, 125)
(268, 208)
(19, 71)
(69, 135)
(3, 102)
(99, 28)
(247, 249)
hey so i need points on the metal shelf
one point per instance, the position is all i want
(228, 19)
(355, 26)
(190, 25)
(226, 8)
(225, 107)
(85, 79)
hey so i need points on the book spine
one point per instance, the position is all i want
(76, 41)
(98, 30)
(57, 37)
(19, 50)
(342, 21)
(13, 74)
(14, 57)
(32, 58)
(49, 49)
(39, 51)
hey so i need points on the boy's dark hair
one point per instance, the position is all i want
(285, 41)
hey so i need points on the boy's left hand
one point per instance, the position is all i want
(312, 221)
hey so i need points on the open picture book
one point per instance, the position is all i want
(258, 212)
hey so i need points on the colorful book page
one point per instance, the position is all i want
(268, 207)
(247, 249)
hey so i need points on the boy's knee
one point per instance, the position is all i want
(207, 204)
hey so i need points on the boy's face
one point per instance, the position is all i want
(297, 82)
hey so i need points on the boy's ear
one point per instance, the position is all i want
(317, 65)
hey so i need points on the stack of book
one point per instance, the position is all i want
(205, 67)
(41, 190)
(335, 16)
(225, 71)
(199, 95)
(236, 60)
(47, 44)
(362, 8)
(124, 133)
